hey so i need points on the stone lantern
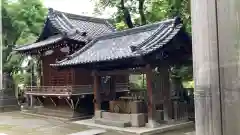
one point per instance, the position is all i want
(8, 100)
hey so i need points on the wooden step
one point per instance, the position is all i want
(114, 123)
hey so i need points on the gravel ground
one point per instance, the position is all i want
(16, 123)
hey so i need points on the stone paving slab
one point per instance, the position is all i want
(16, 123)
(137, 130)
(90, 132)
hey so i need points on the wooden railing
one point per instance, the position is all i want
(82, 89)
(180, 109)
(49, 89)
(122, 87)
(75, 89)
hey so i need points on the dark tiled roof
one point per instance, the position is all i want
(129, 43)
(74, 25)
(50, 40)
(71, 26)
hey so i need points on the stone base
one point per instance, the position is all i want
(8, 104)
(139, 130)
(138, 120)
(152, 124)
(98, 114)
(113, 123)
(135, 120)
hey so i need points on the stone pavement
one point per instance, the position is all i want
(16, 123)
(136, 130)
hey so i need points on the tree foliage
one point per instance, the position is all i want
(22, 22)
(146, 11)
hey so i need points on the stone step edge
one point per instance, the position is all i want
(90, 132)
(57, 118)
(109, 122)
(58, 113)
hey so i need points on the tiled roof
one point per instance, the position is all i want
(129, 43)
(76, 27)
(50, 40)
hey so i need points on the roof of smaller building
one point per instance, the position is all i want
(50, 40)
(69, 26)
(125, 44)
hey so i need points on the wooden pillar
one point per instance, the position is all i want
(164, 81)
(41, 70)
(96, 91)
(113, 88)
(151, 104)
(149, 91)
(216, 42)
(32, 83)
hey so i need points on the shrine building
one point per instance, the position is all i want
(69, 92)
(151, 50)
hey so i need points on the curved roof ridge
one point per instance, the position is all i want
(53, 20)
(121, 33)
(61, 21)
(134, 30)
(83, 17)
(161, 41)
(159, 31)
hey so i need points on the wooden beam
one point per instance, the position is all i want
(123, 72)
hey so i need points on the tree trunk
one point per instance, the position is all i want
(175, 7)
(141, 12)
(126, 14)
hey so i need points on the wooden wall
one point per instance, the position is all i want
(52, 76)
(82, 77)
(71, 76)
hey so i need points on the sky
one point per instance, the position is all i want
(82, 7)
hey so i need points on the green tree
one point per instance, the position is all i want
(126, 11)
(140, 12)
(22, 23)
